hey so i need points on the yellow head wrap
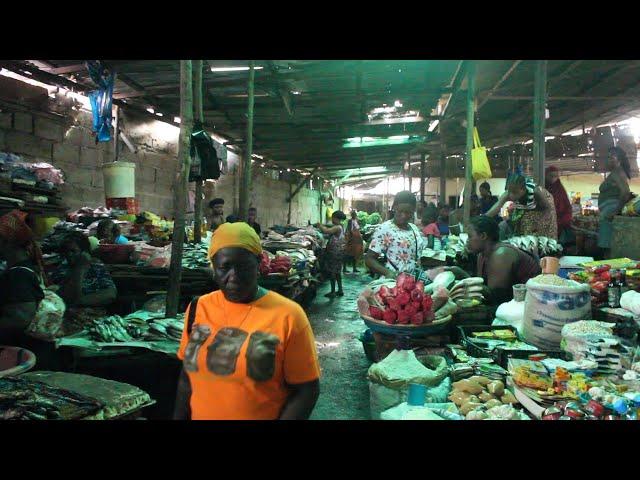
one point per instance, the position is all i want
(238, 234)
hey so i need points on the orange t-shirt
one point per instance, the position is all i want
(240, 357)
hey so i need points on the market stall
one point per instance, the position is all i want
(290, 262)
(544, 357)
(44, 395)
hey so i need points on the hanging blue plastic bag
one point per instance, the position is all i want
(101, 100)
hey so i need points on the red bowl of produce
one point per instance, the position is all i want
(109, 253)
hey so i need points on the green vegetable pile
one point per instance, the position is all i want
(365, 219)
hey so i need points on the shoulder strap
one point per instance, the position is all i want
(413, 230)
(24, 268)
(192, 314)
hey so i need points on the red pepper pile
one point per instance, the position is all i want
(279, 264)
(406, 303)
(598, 279)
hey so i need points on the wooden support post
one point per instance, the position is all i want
(181, 187)
(409, 168)
(423, 168)
(290, 197)
(245, 171)
(471, 87)
(539, 107)
(199, 115)
(116, 133)
(443, 166)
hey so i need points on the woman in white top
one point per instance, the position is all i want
(399, 240)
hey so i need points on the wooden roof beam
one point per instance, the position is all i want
(499, 83)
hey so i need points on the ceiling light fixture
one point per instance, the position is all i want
(233, 69)
(150, 110)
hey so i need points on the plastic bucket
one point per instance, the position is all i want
(119, 179)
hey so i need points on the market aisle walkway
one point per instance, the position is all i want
(337, 326)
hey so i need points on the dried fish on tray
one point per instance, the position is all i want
(26, 400)
(138, 326)
(541, 246)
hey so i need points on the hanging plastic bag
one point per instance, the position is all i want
(479, 161)
(101, 100)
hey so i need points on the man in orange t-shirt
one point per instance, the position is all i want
(249, 353)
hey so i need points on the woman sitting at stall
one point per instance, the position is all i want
(109, 232)
(334, 255)
(247, 353)
(534, 212)
(21, 283)
(354, 246)
(614, 194)
(82, 280)
(500, 265)
(399, 240)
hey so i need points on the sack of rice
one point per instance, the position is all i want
(551, 303)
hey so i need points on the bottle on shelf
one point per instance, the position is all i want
(613, 291)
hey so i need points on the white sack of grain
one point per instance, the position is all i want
(550, 304)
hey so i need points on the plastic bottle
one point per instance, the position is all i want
(613, 292)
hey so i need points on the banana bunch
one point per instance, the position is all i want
(467, 292)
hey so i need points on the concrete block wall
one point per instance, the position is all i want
(269, 196)
(66, 141)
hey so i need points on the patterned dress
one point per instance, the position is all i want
(527, 219)
(400, 247)
(334, 256)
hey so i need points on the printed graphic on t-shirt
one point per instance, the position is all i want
(199, 335)
(222, 354)
(261, 356)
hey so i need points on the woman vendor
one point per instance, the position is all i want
(354, 246)
(399, 240)
(247, 353)
(82, 280)
(614, 194)
(534, 212)
(334, 256)
(109, 232)
(21, 285)
(500, 265)
(564, 213)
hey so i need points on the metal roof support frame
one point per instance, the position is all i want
(245, 171)
(199, 114)
(181, 184)
(471, 87)
(539, 108)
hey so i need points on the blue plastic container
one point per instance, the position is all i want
(417, 395)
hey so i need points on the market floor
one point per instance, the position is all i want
(337, 326)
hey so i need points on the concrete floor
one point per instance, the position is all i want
(344, 391)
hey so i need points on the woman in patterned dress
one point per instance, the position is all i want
(334, 255)
(534, 213)
(398, 240)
